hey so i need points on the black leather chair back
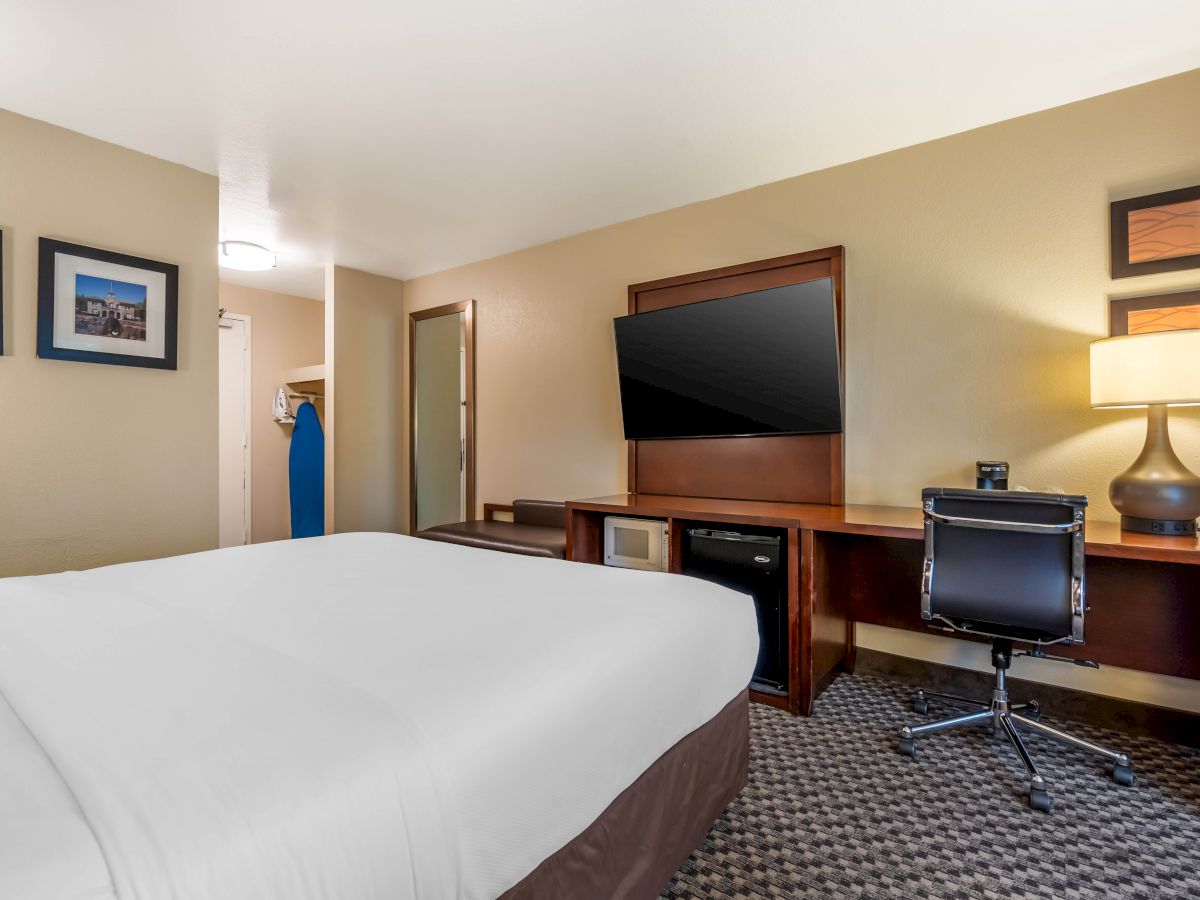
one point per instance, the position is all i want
(1007, 564)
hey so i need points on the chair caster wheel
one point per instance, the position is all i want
(1034, 712)
(1123, 775)
(1039, 800)
(908, 746)
(921, 706)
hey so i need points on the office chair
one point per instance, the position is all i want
(1009, 566)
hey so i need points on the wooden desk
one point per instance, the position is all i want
(858, 563)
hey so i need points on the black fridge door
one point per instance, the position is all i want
(751, 563)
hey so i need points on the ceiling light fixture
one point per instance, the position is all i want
(244, 256)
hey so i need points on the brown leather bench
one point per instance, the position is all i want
(538, 528)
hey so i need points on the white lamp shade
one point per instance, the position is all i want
(1143, 369)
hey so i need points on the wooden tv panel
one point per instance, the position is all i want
(792, 468)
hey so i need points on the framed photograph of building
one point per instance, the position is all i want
(1155, 233)
(102, 307)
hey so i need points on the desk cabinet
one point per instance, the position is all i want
(1142, 614)
(863, 563)
(819, 633)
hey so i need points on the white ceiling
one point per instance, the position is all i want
(403, 137)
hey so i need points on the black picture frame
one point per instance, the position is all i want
(1119, 211)
(47, 248)
(1155, 306)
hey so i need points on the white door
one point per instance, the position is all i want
(233, 417)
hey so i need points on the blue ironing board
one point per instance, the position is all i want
(306, 473)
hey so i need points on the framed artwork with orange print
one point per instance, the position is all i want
(1155, 233)
(1162, 312)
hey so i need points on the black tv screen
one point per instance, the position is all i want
(752, 364)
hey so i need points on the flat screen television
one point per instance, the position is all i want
(760, 363)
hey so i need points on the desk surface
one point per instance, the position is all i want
(1102, 538)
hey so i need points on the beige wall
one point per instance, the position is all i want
(86, 481)
(286, 332)
(977, 273)
(364, 330)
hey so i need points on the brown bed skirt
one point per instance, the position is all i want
(638, 842)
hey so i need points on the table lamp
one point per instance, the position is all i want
(1157, 494)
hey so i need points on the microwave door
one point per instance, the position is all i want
(634, 543)
(631, 543)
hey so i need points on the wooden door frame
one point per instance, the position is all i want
(467, 308)
(248, 450)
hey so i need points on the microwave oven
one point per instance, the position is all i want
(636, 543)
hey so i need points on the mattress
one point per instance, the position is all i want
(361, 715)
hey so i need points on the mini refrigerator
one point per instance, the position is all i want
(752, 561)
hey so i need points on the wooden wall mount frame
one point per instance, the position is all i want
(804, 468)
(467, 308)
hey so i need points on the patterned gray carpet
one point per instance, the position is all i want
(832, 810)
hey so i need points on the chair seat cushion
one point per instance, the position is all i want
(507, 537)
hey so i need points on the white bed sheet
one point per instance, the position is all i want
(46, 847)
(372, 715)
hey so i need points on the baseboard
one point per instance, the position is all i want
(1125, 716)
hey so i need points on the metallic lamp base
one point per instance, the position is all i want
(1158, 494)
(1158, 526)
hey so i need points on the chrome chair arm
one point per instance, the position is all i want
(999, 525)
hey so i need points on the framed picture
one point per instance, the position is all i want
(102, 307)
(1155, 233)
(1162, 312)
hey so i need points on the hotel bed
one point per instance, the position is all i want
(364, 716)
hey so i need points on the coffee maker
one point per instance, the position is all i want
(991, 475)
